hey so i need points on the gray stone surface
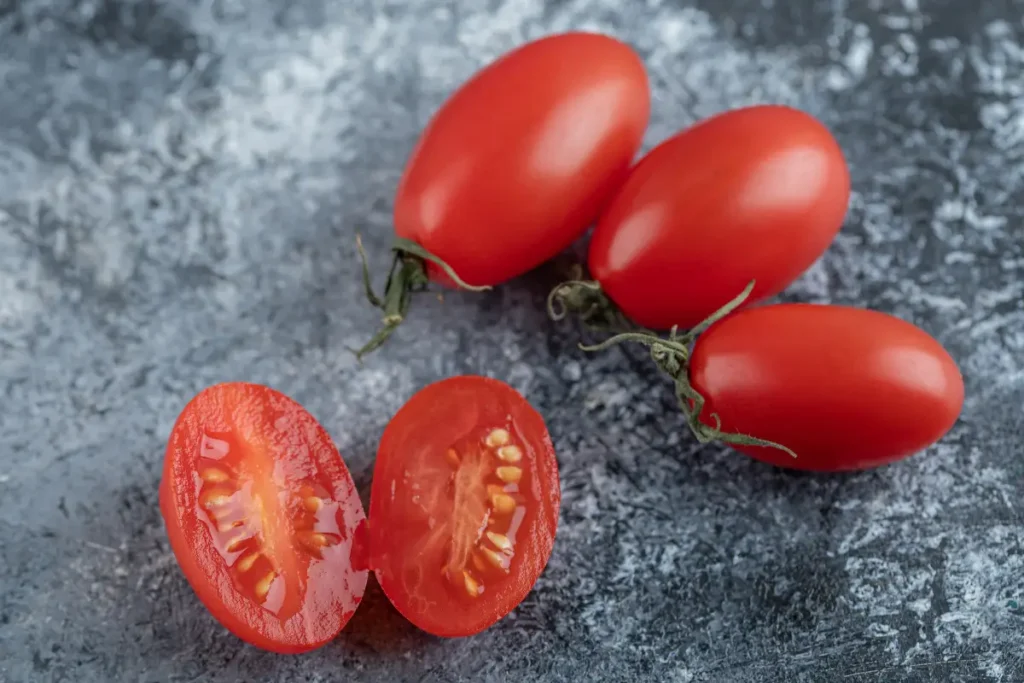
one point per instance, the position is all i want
(180, 184)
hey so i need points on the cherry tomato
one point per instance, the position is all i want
(520, 160)
(262, 516)
(464, 505)
(265, 521)
(756, 193)
(844, 388)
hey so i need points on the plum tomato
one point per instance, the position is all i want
(844, 388)
(269, 530)
(464, 505)
(262, 517)
(519, 161)
(756, 193)
(515, 165)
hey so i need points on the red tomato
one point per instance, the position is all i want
(269, 530)
(844, 388)
(262, 517)
(752, 194)
(519, 161)
(464, 505)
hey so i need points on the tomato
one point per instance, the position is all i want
(269, 530)
(262, 516)
(520, 160)
(844, 388)
(756, 193)
(464, 505)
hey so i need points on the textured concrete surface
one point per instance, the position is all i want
(180, 184)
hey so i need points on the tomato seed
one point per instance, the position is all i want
(472, 585)
(498, 437)
(263, 585)
(500, 541)
(509, 475)
(510, 453)
(246, 563)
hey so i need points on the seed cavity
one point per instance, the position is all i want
(510, 453)
(485, 491)
(312, 503)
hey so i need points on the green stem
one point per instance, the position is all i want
(586, 299)
(407, 275)
(408, 247)
(672, 357)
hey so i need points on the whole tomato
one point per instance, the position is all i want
(756, 193)
(843, 388)
(516, 164)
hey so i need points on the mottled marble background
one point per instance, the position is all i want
(180, 184)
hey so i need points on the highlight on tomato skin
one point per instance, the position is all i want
(464, 505)
(755, 193)
(845, 388)
(263, 517)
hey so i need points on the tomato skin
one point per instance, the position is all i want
(845, 388)
(754, 193)
(452, 411)
(298, 447)
(519, 161)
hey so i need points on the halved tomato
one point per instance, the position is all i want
(263, 517)
(464, 505)
(265, 521)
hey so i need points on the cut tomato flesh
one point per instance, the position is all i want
(265, 521)
(263, 517)
(464, 505)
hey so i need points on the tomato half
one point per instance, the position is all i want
(844, 388)
(754, 193)
(520, 160)
(464, 505)
(265, 521)
(262, 516)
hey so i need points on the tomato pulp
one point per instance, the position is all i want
(266, 523)
(756, 193)
(844, 388)
(520, 160)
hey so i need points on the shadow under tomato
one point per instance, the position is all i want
(378, 628)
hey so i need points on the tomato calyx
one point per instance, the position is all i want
(408, 275)
(672, 356)
(587, 300)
